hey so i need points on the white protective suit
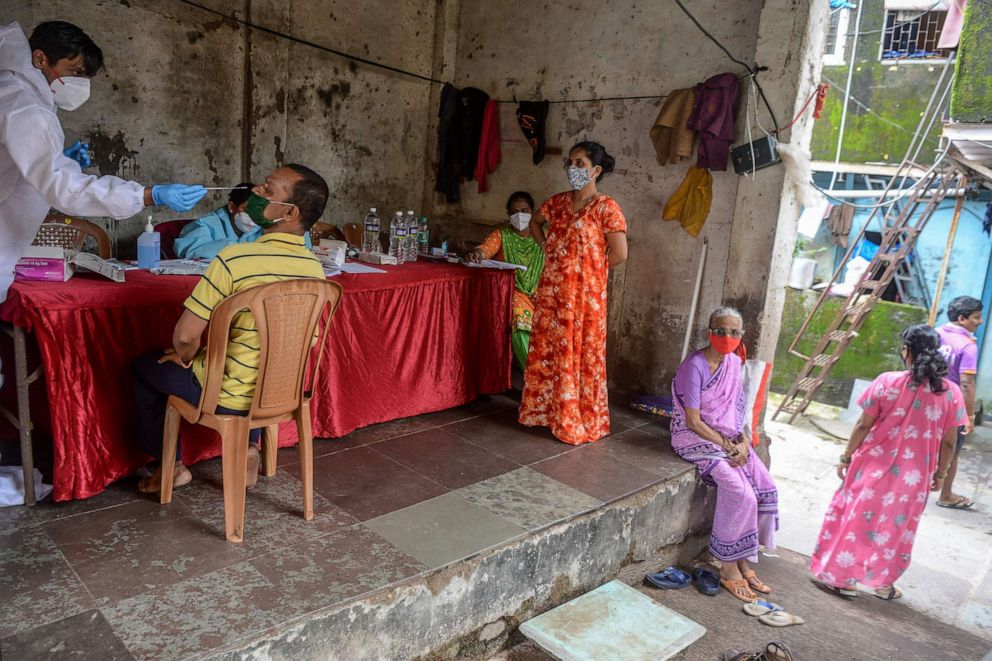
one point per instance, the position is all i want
(34, 174)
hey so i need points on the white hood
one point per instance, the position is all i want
(15, 56)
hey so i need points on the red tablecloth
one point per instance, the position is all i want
(420, 338)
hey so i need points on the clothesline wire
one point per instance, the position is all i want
(752, 70)
(380, 65)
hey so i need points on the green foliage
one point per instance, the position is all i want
(971, 96)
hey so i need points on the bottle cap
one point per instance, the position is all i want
(371, 209)
(149, 227)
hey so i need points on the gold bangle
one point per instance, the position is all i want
(941, 474)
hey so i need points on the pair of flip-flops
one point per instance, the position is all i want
(673, 578)
(961, 503)
(772, 614)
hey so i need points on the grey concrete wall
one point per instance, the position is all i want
(167, 105)
(189, 96)
(590, 49)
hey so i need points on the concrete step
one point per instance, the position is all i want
(469, 609)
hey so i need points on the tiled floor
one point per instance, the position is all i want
(118, 576)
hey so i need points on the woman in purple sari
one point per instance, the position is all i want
(708, 430)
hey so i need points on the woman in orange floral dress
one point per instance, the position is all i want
(584, 235)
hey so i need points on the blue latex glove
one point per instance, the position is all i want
(79, 152)
(178, 197)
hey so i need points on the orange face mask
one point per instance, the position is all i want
(724, 345)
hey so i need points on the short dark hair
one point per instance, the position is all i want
(309, 194)
(963, 306)
(520, 195)
(59, 40)
(241, 194)
(597, 156)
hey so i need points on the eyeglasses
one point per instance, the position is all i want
(728, 332)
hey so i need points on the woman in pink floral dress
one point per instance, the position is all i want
(899, 452)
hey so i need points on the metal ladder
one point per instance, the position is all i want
(900, 230)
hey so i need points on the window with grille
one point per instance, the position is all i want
(833, 52)
(911, 35)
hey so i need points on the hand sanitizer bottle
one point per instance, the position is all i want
(149, 247)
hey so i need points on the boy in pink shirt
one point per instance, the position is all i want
(960, 348)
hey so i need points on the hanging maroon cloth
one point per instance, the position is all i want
(489, 154)
(713, 119)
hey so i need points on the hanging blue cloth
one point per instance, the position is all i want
(841, 4)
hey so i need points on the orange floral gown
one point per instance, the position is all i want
(565, 381)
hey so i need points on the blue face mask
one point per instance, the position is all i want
(578, 178)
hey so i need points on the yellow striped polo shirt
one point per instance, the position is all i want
(271, 258)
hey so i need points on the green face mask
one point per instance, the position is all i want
(256, 207)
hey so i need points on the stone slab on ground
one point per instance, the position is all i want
(865, 629)
(614, 621)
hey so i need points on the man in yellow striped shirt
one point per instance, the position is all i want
(286, 206)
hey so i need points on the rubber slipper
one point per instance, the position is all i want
(761, 607)
(893, 594)
(671, 578)
(706, 581)
(840, 592)
(739, 588)
(960, 504)
(755, 583)
(780, 619)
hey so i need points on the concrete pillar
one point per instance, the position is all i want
(790, 44)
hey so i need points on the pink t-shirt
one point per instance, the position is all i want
(960, 350)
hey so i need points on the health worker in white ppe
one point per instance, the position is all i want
(53, 70)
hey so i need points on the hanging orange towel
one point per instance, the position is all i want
(671, 135)
(690, 205)
(489, 152)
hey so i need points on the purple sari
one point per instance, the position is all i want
(746, 498)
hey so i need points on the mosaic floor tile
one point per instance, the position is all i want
(501, 434)
(367, 484)
(37, 585)
(443, 529)
(528, 498)
(273, 509)
(445, 458)
(83, 636)
(136, 548)
(593, 471)
(324, 571)
(196, 615)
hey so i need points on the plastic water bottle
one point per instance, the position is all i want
(149, 247)
(423, 236)
(411, 236)
(397, 236)
(370, 240)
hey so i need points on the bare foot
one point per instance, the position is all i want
(251, 471)
(180, 477)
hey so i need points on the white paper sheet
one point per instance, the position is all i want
(359, 267)
(181, 267)
(495, 264)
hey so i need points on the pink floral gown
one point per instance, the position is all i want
(868, 532)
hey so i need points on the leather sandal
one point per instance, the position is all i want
(755, 583)
(888, 593)
(739, 588)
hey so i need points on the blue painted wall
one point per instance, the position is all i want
(968, 274)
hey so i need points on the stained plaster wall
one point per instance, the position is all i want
(585, 49)
(190, 96)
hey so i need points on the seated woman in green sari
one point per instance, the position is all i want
(513, 243)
